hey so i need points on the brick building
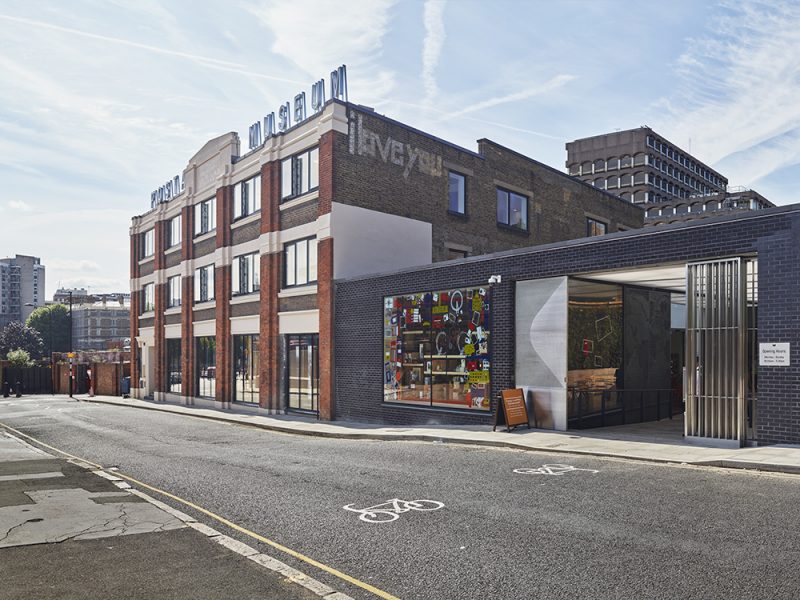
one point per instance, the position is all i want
(596, 331)
(232, 279)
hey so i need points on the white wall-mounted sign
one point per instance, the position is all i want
(774, 355)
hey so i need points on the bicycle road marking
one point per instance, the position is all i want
(389, 511)
(302, 557)
(553, 469)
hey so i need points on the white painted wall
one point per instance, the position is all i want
(367, 241)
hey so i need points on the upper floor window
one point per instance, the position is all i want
(205, 216)
(247, 197)
(300, 174)
(174, 232)
(148, 298)
(457, 193)
(245, 273)
(512, 209)
(300, 262)
(148, 243)
(595, 227)
(174, 291)
(204, 284)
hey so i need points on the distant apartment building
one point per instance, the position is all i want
(698, 207)
(21, 287)
(101, 325)
(642, 166)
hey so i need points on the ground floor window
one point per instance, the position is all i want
(302, 365)
(206, 369)
(245, 368)
(436, 349)
(174, 366)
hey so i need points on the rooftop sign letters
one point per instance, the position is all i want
(292, 113)
(166, 192)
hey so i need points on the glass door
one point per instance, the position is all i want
(302, 366)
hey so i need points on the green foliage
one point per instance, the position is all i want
(16, 335)
(19, 358)
(52, 322)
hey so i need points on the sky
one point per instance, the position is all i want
(102, 101)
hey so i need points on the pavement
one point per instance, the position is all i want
(660, 441)
(70, 531)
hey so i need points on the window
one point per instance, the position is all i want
(436, 349)
(595, 227)
(302, 364)
(204, 284)
(512, 209)
(206, 366)
(300, 174)
(457, 193)
(148, 243)
(245, 368)
(174, 291)
(148, 298)
(300, 262)
(205, 216)
(247, 197)
(245, 274)
(174, 233)
(174, 366)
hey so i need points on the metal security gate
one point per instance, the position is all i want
(717, 357)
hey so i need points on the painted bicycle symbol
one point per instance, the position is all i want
(552, 470)
(392, 509)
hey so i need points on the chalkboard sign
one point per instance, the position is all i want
(511, 410)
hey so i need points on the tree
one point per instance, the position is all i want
(52, 323)
(16, 335)
(19, 358)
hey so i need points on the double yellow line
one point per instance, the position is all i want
(299, 556)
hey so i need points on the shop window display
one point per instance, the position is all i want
(436, 349)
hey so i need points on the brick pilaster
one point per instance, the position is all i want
(134, 310)
(160, 338)
(187, 298)
(270, 392)
(222, 294)
(325, 303)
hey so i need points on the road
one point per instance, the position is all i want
(629, 530)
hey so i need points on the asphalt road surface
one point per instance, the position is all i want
(629, 530)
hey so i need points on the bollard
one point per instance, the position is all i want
(18, 389)
(5, 389)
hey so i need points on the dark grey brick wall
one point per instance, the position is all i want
(298, 303)
(773, 234)
(205, 247)
(299, 215)
(147, 268)
(172, 319)
(204, 315)
(242, 310)
(245, 233)
(172, 259)
(387, 166)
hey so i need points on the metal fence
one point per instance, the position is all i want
(27, 380)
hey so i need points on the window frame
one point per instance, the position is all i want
(148, 243)
(509, 194)
(171, 230)
(148, 298)
(251, 273)
(211, 220)
(463, 212)
(244, 192)
(294, 244)
(198, 284)
(296, 189)
(174, 301)
(593, 222)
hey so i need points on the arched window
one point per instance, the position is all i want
(682, 209)
(639, 178)
(625, 161)
(599, 165)
(639, 159)
(575, 169)
(600, 183)
(612, 182)
(625, 196)
(612, 163)
(586, 167)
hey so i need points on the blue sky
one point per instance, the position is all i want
(102, 101)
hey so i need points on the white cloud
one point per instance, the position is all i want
(73, 266)
(432, 46)
(19, 206)
(548, 86)
(738, 96)
(318, 35)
